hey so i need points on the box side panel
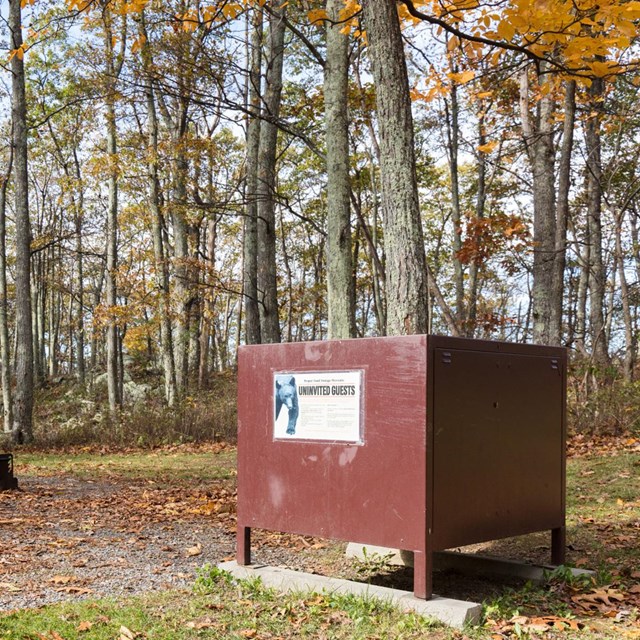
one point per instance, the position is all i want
(372, 492)
(498, 445)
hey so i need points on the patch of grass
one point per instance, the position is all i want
(170, 466)
(222, 607)
(598, 483)
(603, 510)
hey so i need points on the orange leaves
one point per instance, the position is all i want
(78, 5)
(520, 625)
(488, 147)
(462, 77)
(19, 52)
(231, 10)
(603, 600)
(506, 30)
(347, 18)
(317, 16)
(138, 43)
(487, 236)
(603, 69)
(589, 37)
(189, 20)
(132, 6)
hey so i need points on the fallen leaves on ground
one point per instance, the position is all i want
(206, 623)
(604, 600)
(584, 445)
(520, 625)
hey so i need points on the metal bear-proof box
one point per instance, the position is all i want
(415, 442)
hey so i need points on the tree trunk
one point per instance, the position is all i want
(562, 213)
(181, 256)
(406, 283)
(266, 188)
(453, 141)
(481, 197)
(582, 295)
(629, 333)
(113, 385)
(209, 310)
(594, 220)
(538, 138)
(194, 302)
(250, 241)
(38, 299)
(23, 399)
(79, 312)
(161, 271)
(340, 285)
(5, 358)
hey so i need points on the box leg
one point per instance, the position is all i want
(558, 545)
(243, 545)
(422, 567)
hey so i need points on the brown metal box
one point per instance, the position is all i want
(414, 442)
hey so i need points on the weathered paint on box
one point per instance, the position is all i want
(462, 442)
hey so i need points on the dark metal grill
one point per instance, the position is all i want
(7, 480)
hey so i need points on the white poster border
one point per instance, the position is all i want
(319, 406)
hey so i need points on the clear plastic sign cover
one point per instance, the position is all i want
(322, 405)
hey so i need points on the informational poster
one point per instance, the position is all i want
(318, 405)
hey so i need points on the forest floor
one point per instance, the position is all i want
(102, 544)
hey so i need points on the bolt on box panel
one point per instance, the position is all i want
(416, 442)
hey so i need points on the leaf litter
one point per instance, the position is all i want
(66, 538)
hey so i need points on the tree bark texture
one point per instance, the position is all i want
(453, 140)
(629, 333)
(5, 358)
(161, 271)
(406, 283)
(79, 310)
(593, 151)
(113, 385)
(471, 321)
(23, 399)
(562, 213)
(340, 284)
(250, 264)
(538, 137)
(266, 187)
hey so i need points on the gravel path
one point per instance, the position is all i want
(63, 538)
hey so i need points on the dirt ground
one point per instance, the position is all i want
(65, 538)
